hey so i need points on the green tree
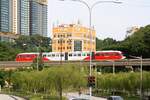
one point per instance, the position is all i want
(137, 44)
(7, 51)
(30, 43)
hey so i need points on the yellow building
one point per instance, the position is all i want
(72, 37)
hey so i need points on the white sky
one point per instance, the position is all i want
(109, 19)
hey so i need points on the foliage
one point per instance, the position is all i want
(38, 63)
(54, 80)
(123, 82)
(101, 44)
(30, 43)
(8, 51)
(3, 75)
(50, 80)
(138, 44)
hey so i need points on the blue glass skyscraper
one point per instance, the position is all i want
(24, 17)
(38, 18)
(5, 16)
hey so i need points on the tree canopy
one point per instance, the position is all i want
(8, 51)
(138, 44)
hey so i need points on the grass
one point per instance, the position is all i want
(131, 98)
(36, 97)
(32, 96)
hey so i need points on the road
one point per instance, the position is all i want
(9, 97)
(75, 95)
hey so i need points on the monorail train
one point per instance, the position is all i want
(71, 56)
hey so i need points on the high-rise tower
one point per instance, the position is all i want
(38, 17)
(5, 16)
(24, 17)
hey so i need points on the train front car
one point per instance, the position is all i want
(26, 57)
(29, 57)
(105, 55)
(108, 55)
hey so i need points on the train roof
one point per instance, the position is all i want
(28, 53)
(109, 51)
(68, 52)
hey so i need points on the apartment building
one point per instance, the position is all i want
(73, 37)
(5, 25)
(24, 17)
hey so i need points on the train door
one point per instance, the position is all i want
(93, 55)
(66, 55)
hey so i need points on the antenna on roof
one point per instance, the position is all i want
(57, 22)
(79, 23)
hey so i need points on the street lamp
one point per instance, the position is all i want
(113, 67)
(61, 41)
(37, 63)
(141, 74)
(90, 26)
(141, 78)
(37, 50)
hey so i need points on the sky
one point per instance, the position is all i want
(109, 19)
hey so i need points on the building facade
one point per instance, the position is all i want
(14, 17)
(23, 17)
(8, 37)
(73, 37)
(38, 17)
(5, 15)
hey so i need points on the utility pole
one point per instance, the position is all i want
(90, 8)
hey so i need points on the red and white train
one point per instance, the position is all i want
(71, 56)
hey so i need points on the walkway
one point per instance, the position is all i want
(9, 97)
(75, 95)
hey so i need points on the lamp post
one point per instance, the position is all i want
(37, 50)
(113, 67)
(141, 79)
(90, 8)
(61, 41)
(37, 63)
(141, 75)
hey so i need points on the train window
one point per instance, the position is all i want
(44, 55)
(49, 55)
(23, 56)
(74, 54)
(106, 54)
(88, 54)
(57, 55)
(98, 54)
(102, 54)
(70, 54)
(79, 54)
(62, 55)
(20, 56)
(53, 55)
(28, 56)
(116, 54)
(83, 54)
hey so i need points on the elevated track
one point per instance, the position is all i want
(125, 62)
